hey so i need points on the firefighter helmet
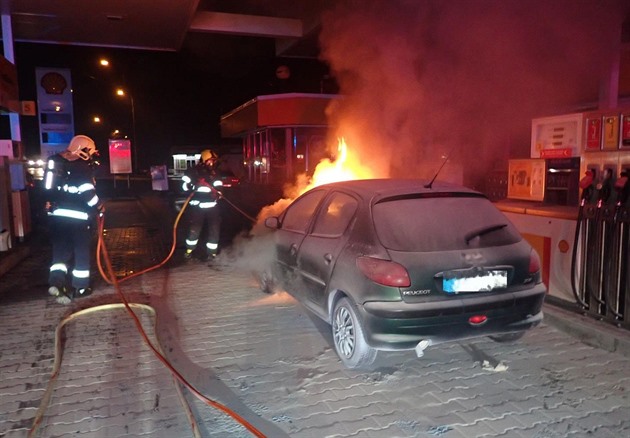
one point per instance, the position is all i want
(81, 146)
(208, 154)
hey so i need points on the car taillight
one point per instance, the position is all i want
(535, 274)
(534, 262)
(477, 319)
(384, 272)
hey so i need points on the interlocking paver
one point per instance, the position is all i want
(265, 357)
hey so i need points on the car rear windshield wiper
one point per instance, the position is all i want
(470, 236)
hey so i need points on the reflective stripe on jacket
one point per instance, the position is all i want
(70, 189)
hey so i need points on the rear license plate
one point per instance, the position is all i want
(474, 281)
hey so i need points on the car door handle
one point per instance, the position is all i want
(328, 257)
(293, 249)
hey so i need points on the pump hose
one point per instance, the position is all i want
(111, 279)
(616, 243)
(600, 233)
(578, 299)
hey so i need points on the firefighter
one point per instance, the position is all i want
(204, 180)
(71, 205)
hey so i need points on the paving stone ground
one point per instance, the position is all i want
(268, 359)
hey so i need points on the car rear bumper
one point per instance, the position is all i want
(400, 326)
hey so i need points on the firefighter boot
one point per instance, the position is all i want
(212, 258)
(61, 294)
(64, 297)
(55, 291)
(82, 292)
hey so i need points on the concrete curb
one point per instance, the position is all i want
(593, 332)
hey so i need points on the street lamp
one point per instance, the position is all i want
(121, 92)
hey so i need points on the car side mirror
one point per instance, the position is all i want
(272, 222)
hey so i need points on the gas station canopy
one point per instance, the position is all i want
(163, 24)
(277, 110)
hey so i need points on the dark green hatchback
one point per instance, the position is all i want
(396, 264)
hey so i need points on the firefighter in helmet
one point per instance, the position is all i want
(71, 205)
(204, 181)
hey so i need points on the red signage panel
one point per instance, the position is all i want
(556, 153)
(625, 131)
(593, 133)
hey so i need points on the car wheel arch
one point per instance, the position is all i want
(334, 297)
(348, 332)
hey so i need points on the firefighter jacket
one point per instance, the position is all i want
(204, 181)
(70, 190)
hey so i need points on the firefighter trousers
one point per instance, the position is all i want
(71, 252)
(210, 218)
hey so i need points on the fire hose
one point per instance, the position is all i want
(113, 280)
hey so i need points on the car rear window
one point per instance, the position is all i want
(441, 224)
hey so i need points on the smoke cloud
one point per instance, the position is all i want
(425, 79)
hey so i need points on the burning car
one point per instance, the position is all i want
(395, 264)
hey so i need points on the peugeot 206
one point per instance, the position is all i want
(397, 264)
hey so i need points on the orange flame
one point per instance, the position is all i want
(345, 167)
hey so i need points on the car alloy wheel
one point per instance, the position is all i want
(348, 336)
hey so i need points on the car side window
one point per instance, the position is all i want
(334, 217)
(299, 213)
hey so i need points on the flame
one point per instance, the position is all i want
(345, 167)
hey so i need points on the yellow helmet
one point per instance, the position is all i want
(208, 154)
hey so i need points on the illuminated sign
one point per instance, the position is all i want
(55, 111)
(119, 156)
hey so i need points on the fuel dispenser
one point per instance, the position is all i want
(600, 267)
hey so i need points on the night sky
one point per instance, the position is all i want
(178, 96)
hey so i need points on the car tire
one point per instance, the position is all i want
(507, 337)
(348, 336)
(266, 283)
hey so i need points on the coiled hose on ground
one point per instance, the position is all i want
(110, 277)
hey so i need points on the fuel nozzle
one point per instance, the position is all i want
(588, 186)
(622, 187)
(605, 186)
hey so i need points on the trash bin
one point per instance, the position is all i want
(159, 180)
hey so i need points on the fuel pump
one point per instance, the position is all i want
(607, 292)
(593, 247)
(619, 302)
(583, 236)
(599, 266)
